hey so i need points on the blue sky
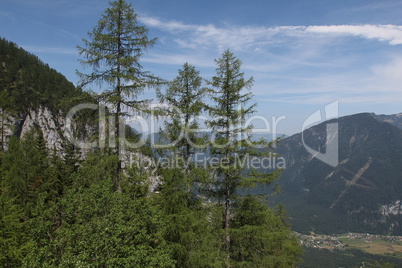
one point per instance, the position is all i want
(303, 55)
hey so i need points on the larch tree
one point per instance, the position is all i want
(113, 50)
(184, 98)
(187, 229)
(231, 138)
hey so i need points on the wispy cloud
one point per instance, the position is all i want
(7, 15)
(295, 64)
(246, 37)
(52, 50)
(386, 33)
(53, 28)
(167, 26)
(178, 59)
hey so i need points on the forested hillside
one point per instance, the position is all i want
(66, 207)
(26, 82)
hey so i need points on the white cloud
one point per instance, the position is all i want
(246, 37)
(386, 33)
(167, 26)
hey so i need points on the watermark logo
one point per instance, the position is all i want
(330, 156)
(109, 138)
(255, 125)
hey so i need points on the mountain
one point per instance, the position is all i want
(362, 193)
(35, 96)
(394, 119)
(26, 82)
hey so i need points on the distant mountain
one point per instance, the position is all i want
(267, 136)
(362, 194)
(394, 119)
(157, 137)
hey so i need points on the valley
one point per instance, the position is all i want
(373, 244)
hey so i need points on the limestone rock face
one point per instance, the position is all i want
(50, 125)
(55, 129)
(6, 128)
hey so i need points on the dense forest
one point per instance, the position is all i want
(69, 209)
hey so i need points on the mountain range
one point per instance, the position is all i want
(362, 193)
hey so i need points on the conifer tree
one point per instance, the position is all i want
(102, 227)
(191, 238)
(184, 97)
(113, 50)
(231, 138)
(12, 234)
(261, 237)
(187, 231)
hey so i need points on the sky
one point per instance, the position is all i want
(303, 55)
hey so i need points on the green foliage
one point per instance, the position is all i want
(188, 224)
(101, 227)
(260, 238)
(29, 189)
(54, 216)
(13, 239)
(24, 169)
(6, 110)
(113, 50)
(184, 98)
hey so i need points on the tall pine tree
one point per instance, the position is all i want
(113, 50)
(187, 230)
(184, 97)
(231, 139)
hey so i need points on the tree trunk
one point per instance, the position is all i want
(2, 130)
(227, 227)
(117, 127)
(118, 108)
(227, 178)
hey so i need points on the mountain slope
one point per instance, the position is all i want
(361, 194)
(26, 82)
(35, 96)
(394, 119)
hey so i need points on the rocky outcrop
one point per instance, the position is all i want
(6, 128)
(50, 125)
(394, 208)
(55, 128)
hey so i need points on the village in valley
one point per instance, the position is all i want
(375, 244)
